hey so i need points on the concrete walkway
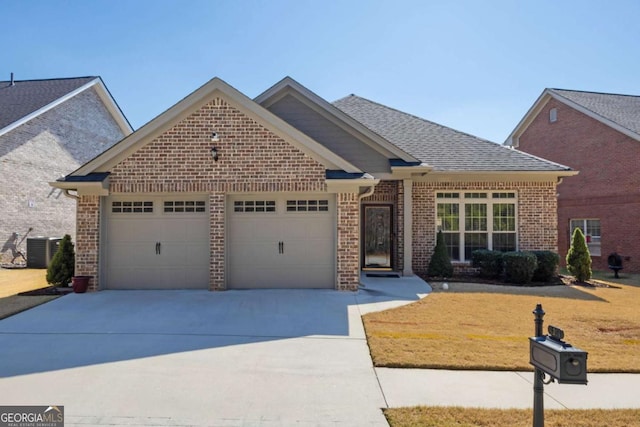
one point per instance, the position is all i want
(242, 358)
(413, 387)
(432, 387)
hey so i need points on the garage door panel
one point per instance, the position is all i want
(291, 247)
(198, 255)
(134, 261)
(254, 254)
(134, 230)
(132, 254)
(314, 252)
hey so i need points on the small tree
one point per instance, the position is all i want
(62, 265)
(440, 264)
(578, 257)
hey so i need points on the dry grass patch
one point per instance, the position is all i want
(14, 281)
(467, 417)
(475, 326)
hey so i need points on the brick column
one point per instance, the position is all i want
(87, 245)
(407, 219)
(348, 247)
(216, 242)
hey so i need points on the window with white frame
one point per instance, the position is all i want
(477, 220)
(591, 230)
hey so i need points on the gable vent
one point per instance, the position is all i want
(553, 115)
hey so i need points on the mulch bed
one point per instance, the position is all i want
(559, 280)
(51, 290)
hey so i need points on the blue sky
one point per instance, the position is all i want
(476, 65)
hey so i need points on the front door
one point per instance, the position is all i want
(377, 237)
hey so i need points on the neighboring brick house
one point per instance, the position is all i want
(289, 190)
(48, 128)
(599, 135)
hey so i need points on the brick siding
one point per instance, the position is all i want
(44, 149)
(88, 239)
(536, 220)
(251, 160)
(606, 187)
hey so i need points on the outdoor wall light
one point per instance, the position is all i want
(214, 153)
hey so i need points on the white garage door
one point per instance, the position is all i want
(157, 243)
(279, 241)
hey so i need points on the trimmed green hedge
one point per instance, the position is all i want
(440, 264)
(489, 262)
(547, 265)
(578, 257)
(519, 267)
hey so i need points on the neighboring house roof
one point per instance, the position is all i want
(621, 109)
(23, 100)
(621, 112)
(446, 149)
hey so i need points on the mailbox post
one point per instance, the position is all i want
(538, 375)
(550, 355)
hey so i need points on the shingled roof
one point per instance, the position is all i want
(25, 97)
(441, 147)
(623, 110)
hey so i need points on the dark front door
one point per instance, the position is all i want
(377, 232)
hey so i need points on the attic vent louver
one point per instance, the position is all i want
(553, 115)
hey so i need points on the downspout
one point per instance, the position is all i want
(71, 196)
(367, 193)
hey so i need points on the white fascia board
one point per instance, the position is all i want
(513, 138)
(495, 176)
(410, 171)
(289, 86)
(593, 115)
(191, 103)
(48, 107)
(92, 188)
(349, 185)
(523, 124)
(113, 107)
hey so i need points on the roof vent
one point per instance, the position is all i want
(553, 115)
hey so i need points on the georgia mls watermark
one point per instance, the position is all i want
(32, 416)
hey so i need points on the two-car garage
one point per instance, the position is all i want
(272, 240)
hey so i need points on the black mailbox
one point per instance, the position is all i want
(562, 361)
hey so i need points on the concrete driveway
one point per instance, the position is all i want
(235, 358)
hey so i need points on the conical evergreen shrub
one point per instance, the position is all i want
(62, 265)
(440, 264)
(578, 257)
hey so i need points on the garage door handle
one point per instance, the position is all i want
(158, 248)
(280, 247)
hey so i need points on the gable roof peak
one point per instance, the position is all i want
(22, 100)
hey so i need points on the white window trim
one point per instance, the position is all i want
(489, 201)
(592, 244)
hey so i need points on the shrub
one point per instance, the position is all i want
(578, 257)
(62, 265)
(489, 262)
(547, 265)
(519, 267)
(440, 264)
